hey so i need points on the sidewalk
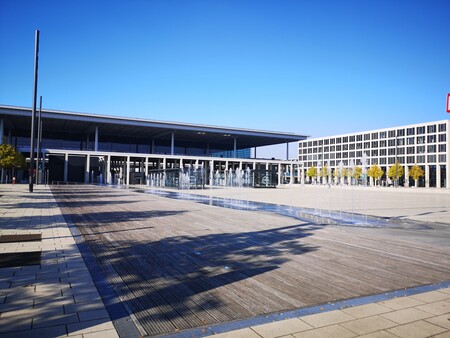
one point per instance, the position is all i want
(421, 315)
(56, 297)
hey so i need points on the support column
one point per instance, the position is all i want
(255, 154)
(127, 178)
(438, 175)
(291, 181)
(427, 176)
(146, 170)
(108, 169)
(96, 139)
(88, 168)
(279, 173)
(406, 176)
(211, 172)
(234, 147)
(287, 151)
(172, 144)
(66, 166)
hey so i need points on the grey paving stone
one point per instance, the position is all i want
(82, 307)
(90, 326)
(93, 314)
(55, 320)
(47, 332)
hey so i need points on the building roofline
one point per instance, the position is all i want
(152, 123)
(379, 129)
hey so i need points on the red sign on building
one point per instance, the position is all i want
(448, 103)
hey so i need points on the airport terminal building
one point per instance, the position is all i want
(90, 148)
(424, 144)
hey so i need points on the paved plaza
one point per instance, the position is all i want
(186, 269)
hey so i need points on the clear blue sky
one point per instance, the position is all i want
(310, 67)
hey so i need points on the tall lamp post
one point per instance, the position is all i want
(33, 113)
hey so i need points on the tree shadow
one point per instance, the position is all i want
(183, 282)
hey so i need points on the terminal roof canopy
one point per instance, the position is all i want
(75, 126)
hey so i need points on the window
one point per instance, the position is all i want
(410, 159)
(382, 152)
(383, 143)
(309, 150)
(410, 150)
(366, 137)
(420, 149)
(358, 138)
(442, 148)
(442, 158)
(345, 155)
(326, 142)
(431, 129)
(431, 148)
(420, 130)
(382, 134)
(374, 136)
(326, 149)
(338, 155)
(359, 153)
(352, 138)
(391, 133)
(410, 140)
(309, 144)
(366, 145)
(352, 146)
(314, 150)
(431, 138)
(358, 145)
(374, 153)
(442, 137)
(332, 140)
(338, 148)
(391, 151)
(420, 139)
(338, 140)
(374, 144)
(420, 158)
(383, 160)
(332, 156)
(320, 142)
(391, 143)
(345, 139)
(401, 132)
(333, 148)
(400, 151)
(315, 143)
(410, 131)
(431, 158)
(351, 154)
(442, 127)
(326, 156)
(400, 141)
(391, 160)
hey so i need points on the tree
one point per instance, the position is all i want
(396, 171)
(311, 172)
(416, 172)
(10, 157)
(345, 173)
(375, 172)
(357, 172)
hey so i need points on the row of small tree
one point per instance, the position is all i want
(375, 172)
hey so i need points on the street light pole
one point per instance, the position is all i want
(39, 132)
(33, 113)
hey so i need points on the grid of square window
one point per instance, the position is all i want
(416, 144)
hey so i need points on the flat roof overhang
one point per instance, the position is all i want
(72, 125)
